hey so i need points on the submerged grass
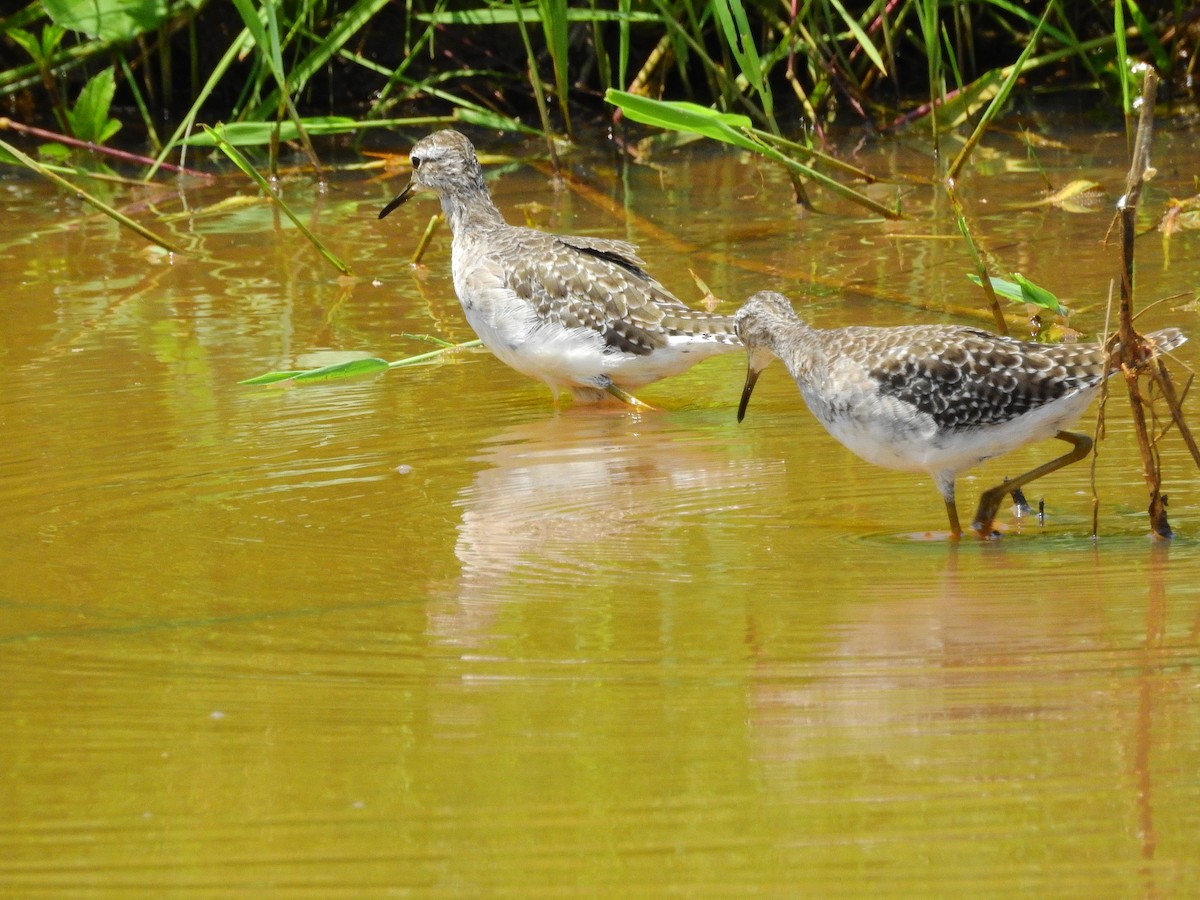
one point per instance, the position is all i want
(356, 368)
(116, 215)
(239, 160)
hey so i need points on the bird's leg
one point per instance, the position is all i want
(952, 512)
(990, 500)
(945, 484)
(625, 396)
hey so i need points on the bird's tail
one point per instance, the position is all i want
(1166, 340)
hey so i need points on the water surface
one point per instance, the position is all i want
(427, 634)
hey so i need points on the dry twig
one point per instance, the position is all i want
(1129, 349)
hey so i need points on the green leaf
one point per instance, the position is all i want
(683, 116)
(54, 152)
(111, 127)
(272, 377)
(27, 41)
(350, 369)
(367, 366)
(52, 36)
(89, 118)
(257, 134)
(1022, 290)
(1038, 295)
(118, 21)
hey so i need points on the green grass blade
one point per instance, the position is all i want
(729, 128)
(683, 116)
(270, 47)
(732, 16)
(810, 152)
(352, 369)
(268, 44)
(113, 214)
(242, 163)
(504, 15)
(1162, 58)
(433, 354)
(624, 7)
(139, 100)
(256, 134)
(554, 26)
(356, 367)
(273, 377)
(1058, 35)
(865, 42)
(1000, 99)
(347, 25)
(189, 120)
(1122, 62)
(485, 118)
(927, 18)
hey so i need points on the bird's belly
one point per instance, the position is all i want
(915, 443)
(511, 329)
(954, 451)
(560, 356)
(884, 444)
(681, 352)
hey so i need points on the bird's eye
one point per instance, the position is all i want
(416, 162)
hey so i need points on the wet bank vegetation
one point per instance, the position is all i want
(147, 74)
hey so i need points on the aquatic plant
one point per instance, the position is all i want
(369, 366)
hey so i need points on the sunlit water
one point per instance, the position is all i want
(426, 634)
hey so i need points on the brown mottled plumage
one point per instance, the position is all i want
(579, 313)
(932, 398)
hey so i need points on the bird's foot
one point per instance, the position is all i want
(989, 505)
(985, 525)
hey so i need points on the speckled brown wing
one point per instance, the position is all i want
(601, 285)
(964, 377)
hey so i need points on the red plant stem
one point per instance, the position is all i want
(34, 131)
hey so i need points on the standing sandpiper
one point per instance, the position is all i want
(933, 398)
(579, 313)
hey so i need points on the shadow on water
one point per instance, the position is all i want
(428, 633)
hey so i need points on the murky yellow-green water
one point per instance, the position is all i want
(425, 635)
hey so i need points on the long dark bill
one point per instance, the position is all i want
(751, 377)
(399, 201)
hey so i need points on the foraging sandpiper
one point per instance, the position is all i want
(579, 313)
(933, 398)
